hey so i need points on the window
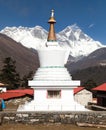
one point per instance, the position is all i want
(54, 94)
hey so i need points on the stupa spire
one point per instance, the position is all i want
(51, 34)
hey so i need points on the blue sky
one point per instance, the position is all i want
(89, 15)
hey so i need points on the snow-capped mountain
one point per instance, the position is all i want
(29, 37)
(72, 37)
(80, 43)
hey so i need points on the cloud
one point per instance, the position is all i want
(91, 25)
(24, 11)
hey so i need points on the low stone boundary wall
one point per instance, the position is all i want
(54, 117)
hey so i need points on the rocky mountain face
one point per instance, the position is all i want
(96, 58)
(26, 60)
(72, 38)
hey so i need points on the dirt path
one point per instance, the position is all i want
(44, 127)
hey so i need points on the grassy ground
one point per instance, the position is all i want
(44, 127)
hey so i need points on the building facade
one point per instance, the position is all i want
(101, 94)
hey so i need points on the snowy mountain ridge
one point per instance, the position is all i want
(72, 38)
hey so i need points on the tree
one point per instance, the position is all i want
(9, 75)
(24, 81)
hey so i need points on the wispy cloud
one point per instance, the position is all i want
(91, 25)
(24, 11)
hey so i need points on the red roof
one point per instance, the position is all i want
(25, 91)
(9, 95)
(102, 87)
(16, 93)
(78, 89)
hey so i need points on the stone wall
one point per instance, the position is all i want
(83, 97)
(54, 117)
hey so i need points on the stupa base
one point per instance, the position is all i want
(55, 106)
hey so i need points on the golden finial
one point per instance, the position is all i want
(51, 34)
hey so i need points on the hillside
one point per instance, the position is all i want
(92, 67)
(26, 60)
(96, 73)
(96, 58)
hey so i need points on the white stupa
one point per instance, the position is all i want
(53, 86)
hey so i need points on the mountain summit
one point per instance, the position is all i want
(72, 37)
(80, 43)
